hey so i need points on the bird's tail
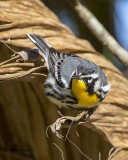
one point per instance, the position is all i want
(41, 45)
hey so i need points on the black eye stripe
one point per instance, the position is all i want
(90, 85)
(105, 92)
(88, 78)
(96, 79)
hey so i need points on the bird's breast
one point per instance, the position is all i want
(79, 90)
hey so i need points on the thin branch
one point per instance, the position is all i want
(32, 70)
(29, 75)
(11, 60)
(99, 31)
(69, 121)
(112, 154)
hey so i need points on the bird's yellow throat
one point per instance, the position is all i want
(79, 90)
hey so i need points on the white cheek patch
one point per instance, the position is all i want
(90, 80)
(94, 75)
(106, 88)
(97, 86)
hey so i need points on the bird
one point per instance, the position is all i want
(72, 81)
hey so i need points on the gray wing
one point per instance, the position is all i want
(70, 65)
(62, 66)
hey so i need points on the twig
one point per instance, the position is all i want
(28, 75)
(99, 31)
(31, 70)
(78, 149)
(62, 154)
(13, 59)
(112, 154)
(68, 121)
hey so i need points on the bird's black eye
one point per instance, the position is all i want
(90, 78)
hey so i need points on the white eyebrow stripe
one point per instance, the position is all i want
(93, 75)
(83, 76)
(97, 85)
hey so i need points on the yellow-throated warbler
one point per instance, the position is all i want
(72, 81)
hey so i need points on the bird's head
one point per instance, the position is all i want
(89, 85)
